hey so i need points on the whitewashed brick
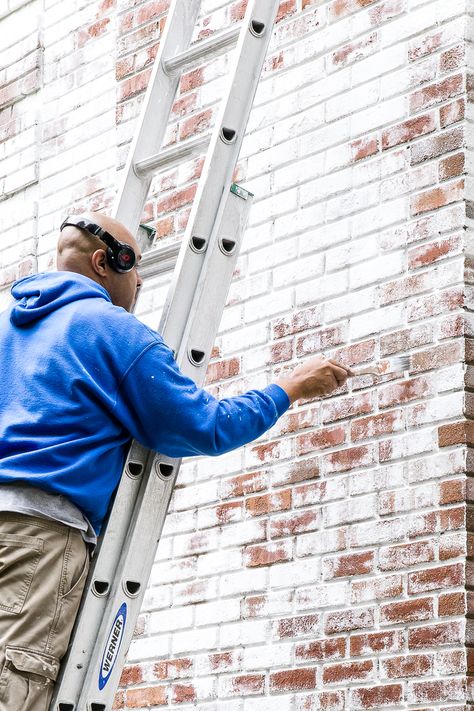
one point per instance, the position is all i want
(383, 319)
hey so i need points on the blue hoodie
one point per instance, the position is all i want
(82, 376)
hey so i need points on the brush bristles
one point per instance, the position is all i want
(400, 363)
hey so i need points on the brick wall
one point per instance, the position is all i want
(327, 565)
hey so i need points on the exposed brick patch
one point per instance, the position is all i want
(407, 131)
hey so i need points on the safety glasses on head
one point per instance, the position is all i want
(120, 257)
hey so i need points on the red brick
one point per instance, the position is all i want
(407, 391)
(439, 690)
(407, 611)
(293, 680)
(436, 93)
(451, 604)
(310, 494)
(452, 113)
(357, 353)
(364, 148)
(354, 51)
(341, 8)
(429, 44)
(448, 576)
(297, 626)
(385, 11)
(452, 167)
(184, 105)
(177, 199)
(131, 675)
(407, 131)
(408, 554)
(151, 10)
(294, 523)
(452, 519)
(446, 633)
(434, 251)
(355, 619)
(276, 501)
(372, 643)
(377, 425)
(243, 484)
(321, 439)
(405, 340)
(182, 693)
(319, 340)
(321, 649)
(347, 407)
(437, 357)
(376, 589)
(405, 288)
(296, 322)
(451, 546)
(136, 84)
(247, 684)
(452, 59)
(222, 370)
(191, 80)
(376, 697)
(267, 554)
(348, 671)
(438, 145)
(195, 124)
(348, 564)
(437, 197)
(454, 491)
(404, 667)
(348, 459)
(148, 696)
(173, 668)
(297, 421)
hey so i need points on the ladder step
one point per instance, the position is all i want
(159, 260)
(172, 155)
(216, 44)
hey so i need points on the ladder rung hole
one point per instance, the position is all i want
(65, 707)
(198, 244)
(100, 587)
(257, 28)
(165, 470)
(228, 134)
(132, 587)
(135, 468)
(196, 356)
(228, 245)
(98, 707)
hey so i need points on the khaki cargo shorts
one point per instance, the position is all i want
(43, 569)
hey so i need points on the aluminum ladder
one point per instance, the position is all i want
(122, 565)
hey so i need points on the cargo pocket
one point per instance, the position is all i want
(27, 679)
(19, 558)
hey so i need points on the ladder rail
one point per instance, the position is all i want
(155, 495)
(157, 105)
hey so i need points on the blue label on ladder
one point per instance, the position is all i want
(114, 640)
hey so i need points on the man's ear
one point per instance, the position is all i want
(99, 262)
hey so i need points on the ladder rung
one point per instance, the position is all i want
(213, 45)
(159, 260)
(172, 155)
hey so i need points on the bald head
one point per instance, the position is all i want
(84, 253)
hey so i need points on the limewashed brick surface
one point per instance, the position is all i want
(328, 565)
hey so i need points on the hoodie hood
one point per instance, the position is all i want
(38, 295)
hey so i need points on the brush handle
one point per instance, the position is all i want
(366, 371)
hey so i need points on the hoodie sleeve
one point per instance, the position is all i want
(165, 411)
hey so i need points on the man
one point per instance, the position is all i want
(81, 377)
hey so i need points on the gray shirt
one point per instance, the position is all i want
(26, 499)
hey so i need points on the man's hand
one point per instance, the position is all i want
(314, 378)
